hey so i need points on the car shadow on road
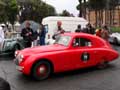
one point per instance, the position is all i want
(69, 74)
(82, 71)
(6, 57)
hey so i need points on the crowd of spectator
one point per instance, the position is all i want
(37, 37)
(102, 32)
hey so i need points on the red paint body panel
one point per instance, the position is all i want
(64, 58)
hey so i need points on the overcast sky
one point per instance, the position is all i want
(60, 5)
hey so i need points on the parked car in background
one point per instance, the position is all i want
(115, 38)
(70, 52)
(10, 45)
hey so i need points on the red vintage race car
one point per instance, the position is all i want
(70, 52)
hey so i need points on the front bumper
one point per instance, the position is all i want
(18, 67)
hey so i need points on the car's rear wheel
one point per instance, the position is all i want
(41, 70)
(103, 64)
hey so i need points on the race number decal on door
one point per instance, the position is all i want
(85, 57)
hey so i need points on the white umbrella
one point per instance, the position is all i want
(33, 25)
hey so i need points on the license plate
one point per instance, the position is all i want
(19, 68)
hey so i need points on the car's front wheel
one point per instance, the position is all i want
(41, 70)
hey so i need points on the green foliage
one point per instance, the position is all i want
(9, 10)
(12, 11)
(2, 12)
(65, 13)
(115, 29)
(97, 4)
(102, 4)
(79, 5)
(36, 10)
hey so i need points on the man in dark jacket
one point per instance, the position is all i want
(90, 29)
(27, 34)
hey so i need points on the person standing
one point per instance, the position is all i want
(27, 34)
(105, 33)
(59, 30)
(78, 28)
(42, 35)
(90, 29)
(35, 38)
(99, 32)
(1, 37)
(8, 32)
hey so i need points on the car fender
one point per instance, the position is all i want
(31, 60)
(50, 56)
(13, 43)
(16, 43)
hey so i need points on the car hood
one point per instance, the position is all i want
(42, 49)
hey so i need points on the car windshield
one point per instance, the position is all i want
(63, 40)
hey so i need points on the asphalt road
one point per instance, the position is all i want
(85, 79)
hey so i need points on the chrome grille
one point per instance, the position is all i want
(17, 59)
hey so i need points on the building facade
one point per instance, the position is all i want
(108, 17)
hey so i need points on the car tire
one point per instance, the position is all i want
(41, 70)
(115, 41)
(102, 65)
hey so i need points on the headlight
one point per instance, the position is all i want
(21, 58)
(16, 53)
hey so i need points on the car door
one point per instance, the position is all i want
(85, 53)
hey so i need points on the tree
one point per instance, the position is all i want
(110, 11)
(79, 7)
(65, 13)
(97, 6)
(2, 12)
(36, 10)
(9, 11)
(12, 11)
(84, 9)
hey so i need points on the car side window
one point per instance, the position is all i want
(82, 42)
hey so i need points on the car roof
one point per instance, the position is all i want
(78, 34)
(95, 39)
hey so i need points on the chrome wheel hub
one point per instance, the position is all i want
(42, 70)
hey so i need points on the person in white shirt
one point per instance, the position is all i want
(50, 41)
(1, 37)
(59, 30)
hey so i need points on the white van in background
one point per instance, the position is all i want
(69, 24)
